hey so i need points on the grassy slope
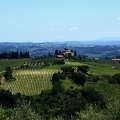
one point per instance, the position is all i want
(10, 63)
(32, 82)
(101, 68)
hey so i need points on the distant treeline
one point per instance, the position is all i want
(14, 55)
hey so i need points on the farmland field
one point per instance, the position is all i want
(30, 82)
(67, 64)
(100, 68)
(10, 63)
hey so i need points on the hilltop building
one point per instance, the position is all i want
(67, 52)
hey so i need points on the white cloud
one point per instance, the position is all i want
(118, 18)
(58, 29)
(51, 29)
(74, 28)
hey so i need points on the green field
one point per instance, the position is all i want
(11, 63)
(101, 68)
(30, 82)
(67, 64)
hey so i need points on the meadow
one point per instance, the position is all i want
(95, 67)
(11, 63)
(102, 67)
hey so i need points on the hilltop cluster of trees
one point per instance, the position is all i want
(79, 77)
(14, 55)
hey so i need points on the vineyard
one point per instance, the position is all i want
(30, 82)
(33, 81)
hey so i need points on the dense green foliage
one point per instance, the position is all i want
(61, 62)
(115, 79)
(67, 70)
(14, 55)
(79, 78)
(83, 69)
(8, 73)
(6, 99)
(97, 99)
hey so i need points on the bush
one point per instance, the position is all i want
(67, 70)
(79, 78)
(94, 78)
(61, 62)
(57, 88)
(93, 96)
(7, 99)
(83, 69)
(62, 76)
(8, 73)
(55, 78)
(115, 79)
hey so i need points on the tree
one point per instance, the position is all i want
(57, 88)
(65, 48)
(8, 73)
(115, 79)
(67, 70)
(55, 78)
(7, 99)
(83, 69)
(79, 78)
(59, 62)
(93, 96)
(56, 52)
(75, 53)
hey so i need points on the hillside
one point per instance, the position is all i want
(89, 48)
(33, 90)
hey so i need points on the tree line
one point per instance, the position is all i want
(14, 55)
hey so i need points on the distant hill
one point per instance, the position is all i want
(104, 47)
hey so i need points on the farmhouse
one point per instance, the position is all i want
(67, 52)
(116, 60)
(59, 56)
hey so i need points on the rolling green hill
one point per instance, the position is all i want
(34, 85)
(31, 82)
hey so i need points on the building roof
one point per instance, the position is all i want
(59, 56)
(116, 59)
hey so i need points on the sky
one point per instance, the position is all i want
(58, 20)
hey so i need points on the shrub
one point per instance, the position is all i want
(6, 98)
(93, 96)
(62, 76)
(83, 69)
(61, 62)
(93, 78)
(79, 78)
(115, 79)
(67, 70)
(55, 78)
(8, 73)
(57, 88)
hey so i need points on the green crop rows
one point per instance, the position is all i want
(30, 82)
